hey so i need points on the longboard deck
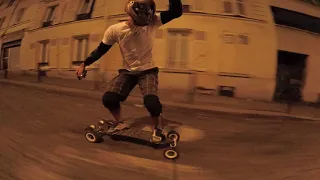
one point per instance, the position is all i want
(139, 136)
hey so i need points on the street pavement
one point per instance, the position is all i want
(42, 138)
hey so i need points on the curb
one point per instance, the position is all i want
(132, 100)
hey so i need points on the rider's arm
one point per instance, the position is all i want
(175, 11)
(106, 44)
(97, 53)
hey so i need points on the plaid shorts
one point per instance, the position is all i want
(124, 82)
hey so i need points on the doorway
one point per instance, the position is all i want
(10, 55)
(4, 58)
(291, 73)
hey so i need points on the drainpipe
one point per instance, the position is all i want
(99, 76)
(191, 87)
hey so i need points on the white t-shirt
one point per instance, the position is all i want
(135, 43)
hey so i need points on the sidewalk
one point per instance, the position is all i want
(85, 88)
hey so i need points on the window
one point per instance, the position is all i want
(243, 39)
(178, 49)
(200, 35)
(80, 49)
(228, 37)
(85, 9)
(241, 7)
(19, 15)
(314, 2)
(49, 16)
(45, 51)
(1, 21)
(227, 6)
(296, 19)
(10, 3)
(186, 8)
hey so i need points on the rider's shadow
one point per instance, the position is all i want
(147, 121)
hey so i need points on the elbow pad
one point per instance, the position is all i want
(175, 11)
(175, 7)
(97, 53)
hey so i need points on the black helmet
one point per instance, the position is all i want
(141, 11)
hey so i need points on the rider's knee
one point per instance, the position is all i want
(111, 100)
(153, 105)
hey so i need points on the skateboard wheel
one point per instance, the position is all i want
(171, 153)
(93, 136)
(175, 136)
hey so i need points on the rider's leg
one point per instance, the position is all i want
(148, 83)
(154, 107)
(117, 91)
(111, 100)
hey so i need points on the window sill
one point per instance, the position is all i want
(180, 71)
(83, 16)
(47, 24)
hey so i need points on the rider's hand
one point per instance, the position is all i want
(80, 70)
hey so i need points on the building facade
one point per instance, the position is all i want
(59, 33)
(244, 48)
(298, 28)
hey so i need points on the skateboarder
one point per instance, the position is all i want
(135, 39)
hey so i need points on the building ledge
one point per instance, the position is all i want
(180, 71)
(296, 29)
(193, 13)
(68, 22)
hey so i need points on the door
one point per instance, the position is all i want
(290, 76)
(14, 58)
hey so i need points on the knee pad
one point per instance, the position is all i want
(153, 105)
(111, 100)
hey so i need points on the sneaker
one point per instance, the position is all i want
(157, 136)
(119, 127)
